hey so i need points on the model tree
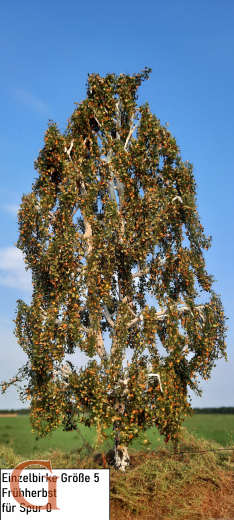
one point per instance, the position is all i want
(103, 227)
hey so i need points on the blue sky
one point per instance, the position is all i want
(47, 51)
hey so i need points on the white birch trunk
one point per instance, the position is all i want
(121, 455)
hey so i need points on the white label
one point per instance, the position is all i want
(79, 494)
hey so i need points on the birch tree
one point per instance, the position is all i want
(104, 226)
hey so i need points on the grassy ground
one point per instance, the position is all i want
(158, 485)
(15, 432)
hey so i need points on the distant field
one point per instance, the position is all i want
(15, 432)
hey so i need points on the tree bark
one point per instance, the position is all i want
(121, 455)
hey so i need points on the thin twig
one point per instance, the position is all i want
(203, 451)
(130, 134)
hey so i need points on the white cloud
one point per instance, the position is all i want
(27, 98)
(12, 359)
(11, 208)
(12, 269)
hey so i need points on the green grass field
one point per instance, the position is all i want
(15, 432)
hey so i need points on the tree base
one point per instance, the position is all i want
(121, 456)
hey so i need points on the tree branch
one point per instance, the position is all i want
(177, 198)
(146, 271)
(111, 188)
(99, 347)
(158, 378)
(95, 117)
(52, 216)
(149, 374)
(68, 151)
(125, 383)
(118, 116)
(81, 186)
(138, 319)
(140, 273)
(130, 134)
(162, 314)
(108, 316)
(64, 371)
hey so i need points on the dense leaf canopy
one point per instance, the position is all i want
(106, 223)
